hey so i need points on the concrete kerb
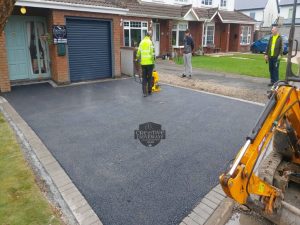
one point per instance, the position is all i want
(214, 209)
(50, 172)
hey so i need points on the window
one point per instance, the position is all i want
(134, 32)
(208, 35)
(290, 13)
(207, 2)
(178, 34)
(223, 3)
(245, 35)
(252, 15)
(181, 1)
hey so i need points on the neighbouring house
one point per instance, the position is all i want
(286, 12)
(265, 12)
(214, 25)
(94, 32)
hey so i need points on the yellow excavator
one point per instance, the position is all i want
(265, 175)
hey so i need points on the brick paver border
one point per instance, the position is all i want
(65, 194)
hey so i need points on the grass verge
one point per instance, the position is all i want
(243, 64)
(21, 201)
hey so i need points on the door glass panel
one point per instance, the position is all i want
(37, 45)
(31, 38)
(157, 33)
(42, 46)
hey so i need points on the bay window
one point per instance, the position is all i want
(245, 35)
(178, 32)
(134, 32)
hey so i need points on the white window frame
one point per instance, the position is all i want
(223, 3)
(144, 27)
(177, 29)
(253, 13)
(207, 2)
(290, 13)
(249, 33)
(204, 35)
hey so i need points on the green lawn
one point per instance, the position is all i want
(244, 64)
(21, 201)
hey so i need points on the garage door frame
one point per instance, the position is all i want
(111, 41)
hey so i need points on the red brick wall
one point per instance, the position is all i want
(4, 75)
(196, 32)
(165, 36)
(60, 64)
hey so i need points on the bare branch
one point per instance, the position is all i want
(6, 8)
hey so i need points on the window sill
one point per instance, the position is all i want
(244, 44)
(177, 46)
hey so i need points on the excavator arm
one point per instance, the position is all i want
(242, 181)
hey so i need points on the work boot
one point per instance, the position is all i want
(183, 75)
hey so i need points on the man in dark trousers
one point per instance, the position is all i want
(273, 55)
(146, 55)
(187, 54)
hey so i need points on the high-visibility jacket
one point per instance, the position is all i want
(146, 52)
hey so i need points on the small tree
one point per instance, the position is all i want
(6, 8)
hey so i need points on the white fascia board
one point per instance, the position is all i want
(213, 16)
(239, 22)
(153, 16)
(71, 7)
(220, 16)
(191, 10)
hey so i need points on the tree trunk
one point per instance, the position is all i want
(6, 8)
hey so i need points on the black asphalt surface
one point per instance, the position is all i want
(90, 131)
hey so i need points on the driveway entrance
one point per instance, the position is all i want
(90, 131)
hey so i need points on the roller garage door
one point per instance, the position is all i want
(89, 49)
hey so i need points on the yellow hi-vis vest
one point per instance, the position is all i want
(274, 39)
(146, 52)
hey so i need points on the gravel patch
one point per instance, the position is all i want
(213, 87)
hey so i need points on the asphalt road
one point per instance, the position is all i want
(90, 130)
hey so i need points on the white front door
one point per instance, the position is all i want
(156, 38)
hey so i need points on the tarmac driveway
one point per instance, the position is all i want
(90, 130)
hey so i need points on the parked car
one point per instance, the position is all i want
(260, 45)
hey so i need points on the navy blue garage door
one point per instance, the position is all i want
(89, 49)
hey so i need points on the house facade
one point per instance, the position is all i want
(214, 28)
(286, 13)
(94, 31)
(265, 12)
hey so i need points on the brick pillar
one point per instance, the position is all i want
(117, 31)
(239, 38)
(169, 33)
(59, 64)
(227, 37)
(4, 74)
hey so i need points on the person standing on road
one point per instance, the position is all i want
(187, 53)
(273, 54)
(146, 55)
